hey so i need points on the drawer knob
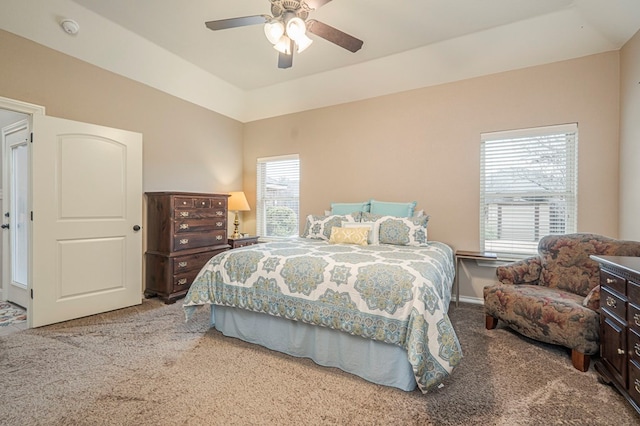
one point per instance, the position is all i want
(204, 203)
(636, 319)
(184, 203)
(218, 237)
(184, 226)
(610, 281)
(636, 348)
(611, 302)
(218, 223)
(219, 213)
(182, 264)
(184, 214)
(620, 351)
(182, 281)
(184, 241)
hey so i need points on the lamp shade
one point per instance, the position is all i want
(238, 202)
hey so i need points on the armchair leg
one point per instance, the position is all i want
(490, 322)
(579, 360)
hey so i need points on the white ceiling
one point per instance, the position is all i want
(407, 44)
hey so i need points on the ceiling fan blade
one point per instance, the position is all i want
(315, 4)
(223, 24)
(284, 60)
(334, 35)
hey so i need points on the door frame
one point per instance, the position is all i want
(30, 110)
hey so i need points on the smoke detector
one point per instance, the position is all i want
(70, 26)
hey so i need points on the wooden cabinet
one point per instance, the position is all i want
(184, 231)
(619, 362)
(243, 241)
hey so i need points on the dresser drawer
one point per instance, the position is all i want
(199, 225)
(183, 203)
(633, 317)
(633, 345)
(633, 291)
(191, 262)
(607, 279)
(613, 303)
(195, 213)
(190, 241)
(634, 382)
(182, 282)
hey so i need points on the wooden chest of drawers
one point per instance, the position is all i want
(619, 362)
(184, 230)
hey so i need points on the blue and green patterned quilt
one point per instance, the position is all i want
(394, 294)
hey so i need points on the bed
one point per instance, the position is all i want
(375, 310)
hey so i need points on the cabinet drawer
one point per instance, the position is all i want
(182, 282)
(194, 213)
(607, 279)
(199, 225)
(633, 291)
(633, 317)
(633, 343)
(634, 382)
(192, 262)
(183, 202)
(613, 303)
(190, 241)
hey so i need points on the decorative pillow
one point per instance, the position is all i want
(349, 235)
(348, 208)
(373, 228)
(385, 208)
(319, 227)
(404, 231)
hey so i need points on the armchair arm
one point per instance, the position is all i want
(525, 271)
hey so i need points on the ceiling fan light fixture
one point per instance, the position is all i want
(296, 28)
(274, 30)
(283, 45)
(303, 42)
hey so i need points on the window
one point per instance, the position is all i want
(528, 186)
(278, 196)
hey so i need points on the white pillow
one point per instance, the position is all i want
(374, 228)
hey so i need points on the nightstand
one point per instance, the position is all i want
(474, 255)
(243, 241)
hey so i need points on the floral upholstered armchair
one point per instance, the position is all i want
(554, 297)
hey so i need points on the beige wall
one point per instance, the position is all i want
(424, 145)
(630, 139)
(185, 147)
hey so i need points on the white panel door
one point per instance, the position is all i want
(87, 212)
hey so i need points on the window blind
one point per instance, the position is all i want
(278, 196)
(528, 187)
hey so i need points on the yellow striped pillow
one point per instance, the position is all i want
(349, 235)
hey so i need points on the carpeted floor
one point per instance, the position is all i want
(145, 366)
(11, 314)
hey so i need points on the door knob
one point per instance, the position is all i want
(4, 226)
(136, 227)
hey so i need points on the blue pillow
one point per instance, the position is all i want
(348, 208)
(385, 208)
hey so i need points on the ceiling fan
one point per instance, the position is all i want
(287, 28)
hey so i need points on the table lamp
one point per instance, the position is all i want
(237, 203)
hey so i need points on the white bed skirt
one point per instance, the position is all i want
(377, 362)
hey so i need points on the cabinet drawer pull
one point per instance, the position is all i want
(184, 203)
(182, 281)
(218, 223)
(611, 302)
(636, 348)
(219, 213)
(637, 385)
(610, 281)
(184, 241)
(636, 319)
(218, 237)
(620, 351)
(204, 203)
(184, 226)
(182, 264)
(219, 203)
(184, 214)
